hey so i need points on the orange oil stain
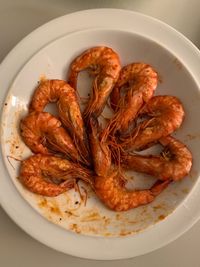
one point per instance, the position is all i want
(160, 78)
(74, 227)
(42, 78)
(178, 64)
(161, 217)
(185, 191)
(50, 206)
(93, 216)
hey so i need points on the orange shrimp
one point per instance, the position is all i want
(104, 64)
(40, 130)
(166, 115)
(69, 111)
(100, 151)
(174, 163)
(111, 190)
(109, 185)
(51, 176)
(135, 86)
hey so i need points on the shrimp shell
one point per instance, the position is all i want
(104, 64)
(174, 162)
(109, 185)
(100, 151)
(37, 172)
(41, 129)
(137, 76)
(165, 114)
(111, 190)
(135, 86)
(61, 92)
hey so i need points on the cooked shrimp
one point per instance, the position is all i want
(166, 115)
(40, 130)
(100, 151)
(113, 193)
(109, 185)
(48, 91)
(136, 76)
(135, 86)
(69, 111)
(51, 176)
(103, 63)
(174, 162)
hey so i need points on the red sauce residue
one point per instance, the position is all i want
(107, 234)
(161, 217)
(177, 63)
(106, 221)
(50, 206)
(125, 233)
(74, 227)
(185, 191)
(43, 203)
(190, 137)
(15, 146)
(71, 214)
(42, 78)
(160, 78)
(158, 207)
(118, 216)
(144, 210)
(132, 222)
(55, 209)
(93, 216)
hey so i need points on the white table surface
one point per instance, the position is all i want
(17, 19)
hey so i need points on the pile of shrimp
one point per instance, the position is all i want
(75, 146)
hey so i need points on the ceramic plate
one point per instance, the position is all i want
(65, 217)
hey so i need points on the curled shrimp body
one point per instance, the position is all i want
(69, 111)
(113, 193)
(40, 130)
(135, 86)
(165, 114)
(104, 64)
(174, 163)
(39, 173)
(109, 185)
(48, 91)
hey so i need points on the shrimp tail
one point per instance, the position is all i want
(159, 186)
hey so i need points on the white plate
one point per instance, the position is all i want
(53, 62)
(17, 208)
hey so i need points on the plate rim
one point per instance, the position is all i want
(9, 210)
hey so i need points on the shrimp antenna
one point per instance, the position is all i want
(89, 110)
